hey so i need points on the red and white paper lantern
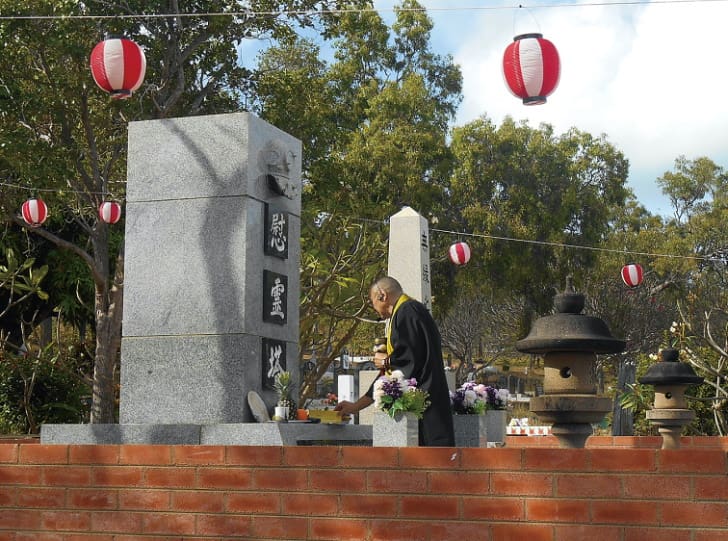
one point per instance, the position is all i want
(459, 253)
(632, 274)
(35, 212)
(118, 66)
(531, 68)
(110, 212)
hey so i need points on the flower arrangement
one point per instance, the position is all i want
(475, 399)
(394, 393)
(331, 399)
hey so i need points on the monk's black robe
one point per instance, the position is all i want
(418, 354)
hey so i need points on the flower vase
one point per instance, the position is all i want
(470, 430)
(402, 431)
(496, 421)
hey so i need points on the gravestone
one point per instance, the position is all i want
(211, 277)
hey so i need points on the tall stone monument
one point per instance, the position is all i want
(409, 254)
(211, 289)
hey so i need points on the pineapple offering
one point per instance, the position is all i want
(285, 407)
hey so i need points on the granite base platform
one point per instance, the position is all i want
(274, 434)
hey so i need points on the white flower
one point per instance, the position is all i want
(469, 398)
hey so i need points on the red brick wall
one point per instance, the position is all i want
(153, 492)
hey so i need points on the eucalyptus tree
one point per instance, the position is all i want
(373, 114)
(528, 195)
(63, 135)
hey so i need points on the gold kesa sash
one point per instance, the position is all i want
(403, 298)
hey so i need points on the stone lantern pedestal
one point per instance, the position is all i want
(569, 342)
(670, 413)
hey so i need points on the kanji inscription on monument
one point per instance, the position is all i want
(276, 232)
(275, 297)
(274, 361)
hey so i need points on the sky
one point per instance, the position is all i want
(650, 76)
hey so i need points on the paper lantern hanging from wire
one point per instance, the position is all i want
(110, 212)
(35, 212)
(531, 68)
(632, 275)
(459, 253)
(118, 66)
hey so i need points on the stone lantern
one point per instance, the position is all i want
(670, 413)
(569, 342)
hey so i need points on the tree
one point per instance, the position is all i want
(373, 119)
(63, 135)
(516, 182)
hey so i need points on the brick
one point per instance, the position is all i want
(19, 519)
(429, 506)
(459, 482)
(460, 530)
(473, 458)
(693, 461)
(385, 481)
(153, 455)
(56, 521)
(555, 459)
(52, 498)
(704, 534)
(327, 456)
(7, 496)
(43, 454)
(254, 456)
(310, 504)
(198, 501)
(369, 505)
(519, 532)
(657, 534)
(168, 523)
(634, 512)
(493, 508)
(280, 479)
(117, 476)
(578, 485)
(21, 475)
(524, 484)
(224, 525)
(335, 529)
(287, 528)
(621, 460)
(403, 530)
(364, 457)
(656, 487)
(93, 454)
(554, 510)
(169, 477)
(198, 454)
(581, 532)
(92, 498)
(253, 502)
(711, 488)
(429, 457)
(145, 500)
(39, 537)
(337, 480)
(68, 476)
(229, 477)
(127, 522)
(8, 453)
(695, 514)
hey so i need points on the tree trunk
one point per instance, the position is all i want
(623, 420)
(108, 340)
